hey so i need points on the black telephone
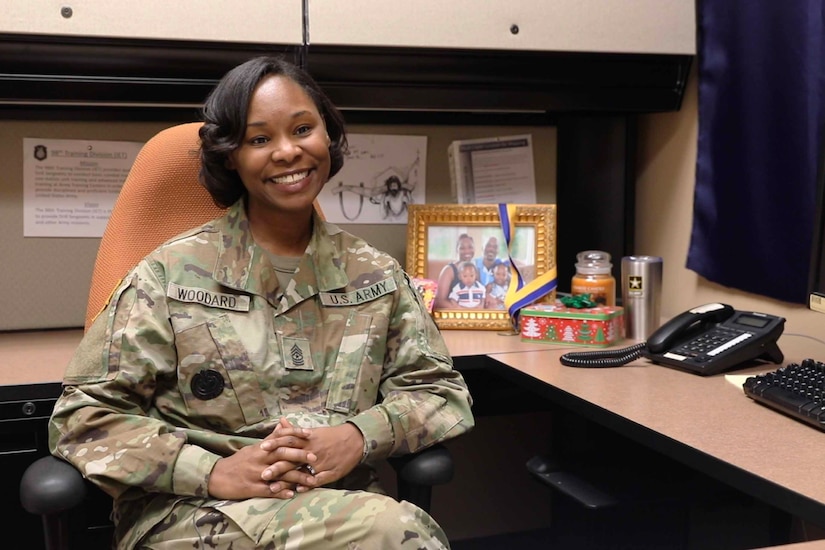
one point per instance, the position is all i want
(705, 340)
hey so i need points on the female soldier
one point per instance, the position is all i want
(247, 373)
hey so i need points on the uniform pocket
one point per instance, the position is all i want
(348, 362)
(216, 377)
(253, 515)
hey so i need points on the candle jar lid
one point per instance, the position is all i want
(593, 262)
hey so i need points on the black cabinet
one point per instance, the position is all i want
(24, 417)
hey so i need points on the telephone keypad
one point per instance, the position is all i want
(700, 346)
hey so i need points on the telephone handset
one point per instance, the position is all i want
(685, 324)
(704, 340)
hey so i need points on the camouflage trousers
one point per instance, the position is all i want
(321, 519)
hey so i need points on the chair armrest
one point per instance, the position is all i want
(430, 466)
(50, 485)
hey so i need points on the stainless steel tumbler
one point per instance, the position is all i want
(641, 295)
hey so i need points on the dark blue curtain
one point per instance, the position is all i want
(760, 120)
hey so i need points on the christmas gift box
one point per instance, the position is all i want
(557, 324)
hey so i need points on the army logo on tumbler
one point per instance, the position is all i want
(641, 295)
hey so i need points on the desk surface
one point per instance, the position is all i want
(810, 545)
(36, 357)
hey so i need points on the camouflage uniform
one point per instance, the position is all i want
(200, 352)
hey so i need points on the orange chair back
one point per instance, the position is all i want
(160, 198)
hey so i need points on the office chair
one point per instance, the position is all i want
(160, 198)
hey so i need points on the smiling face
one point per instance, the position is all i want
(490, 250)
(466, 248)
(283, 159)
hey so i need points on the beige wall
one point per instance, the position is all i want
(664, 207)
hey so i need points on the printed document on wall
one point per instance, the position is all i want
(70, 185)
(493, 170)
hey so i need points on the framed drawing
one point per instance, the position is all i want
(462, 248)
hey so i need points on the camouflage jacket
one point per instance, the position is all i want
(200, 352)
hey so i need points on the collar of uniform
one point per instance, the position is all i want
(240, 263)
(325, 253)
(243, 265)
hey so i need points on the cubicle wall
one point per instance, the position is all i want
(46, 279)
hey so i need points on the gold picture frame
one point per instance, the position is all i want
(438, 237)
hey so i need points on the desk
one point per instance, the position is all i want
(706, 423)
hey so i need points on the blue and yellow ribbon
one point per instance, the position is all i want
(519, 294)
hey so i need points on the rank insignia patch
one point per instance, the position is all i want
(296, 353)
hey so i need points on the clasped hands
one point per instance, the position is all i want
(276, 467)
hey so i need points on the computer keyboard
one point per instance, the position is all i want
(796, 389)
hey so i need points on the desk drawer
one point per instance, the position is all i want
(29, 409)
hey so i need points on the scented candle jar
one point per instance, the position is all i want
(594, 276)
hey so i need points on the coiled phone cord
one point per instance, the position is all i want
(603, 358)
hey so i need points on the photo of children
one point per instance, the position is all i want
(451, 246)
(468, 292)
(497, 288)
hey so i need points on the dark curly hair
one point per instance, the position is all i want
(225, 112)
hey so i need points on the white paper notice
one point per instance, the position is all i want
(70, 185)
(505, 173)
